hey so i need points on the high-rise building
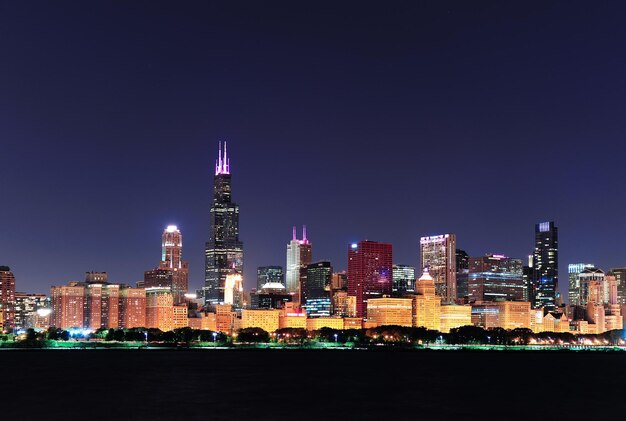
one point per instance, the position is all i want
(369, 273)
(265, 274)
(172, 272)
(26, 306)
(299, 256)
(132, 307)
(403, 280)
(438, 255)
(573, 270)
(546, 266)
(462, 274)
(426, 303)
(67, 305)
(101, 305)
(620, 277)
(159, 308)
(223, 251)
(233, 290)
(591, 282)
(7, 297)
(495, 277)
(316, 289)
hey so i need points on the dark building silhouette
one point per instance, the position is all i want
(7, 298)
(495, 277)
(224, 251)
(273, 274)
(546, 266)
(316, 289)
(462, 271)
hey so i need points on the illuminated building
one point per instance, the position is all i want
(503, 314)
(315, 290)
(387, 311)
(546, 266)
(403, 280)
(271, 296)
(273, 274)
(352, 323)
(319, 322)
(26, 306)
(426, 303)
(339, 303)
(438, 255)
(132, 307)
(159, 308)
(462, 274)
(536, 320)
(67, 305)
(292, 316)
(558, 322)
(101, 303)
(223, 251)
(233, 290)
(452, 316)
(268, 320)
(299, 256)
(573, 270)
(369, 273)
(7, 297)
(339, 281)
(203, 321)
(591, 281)
(224, 318)
(179, 317)
(172, 272)
(620, 277)
(495, 277)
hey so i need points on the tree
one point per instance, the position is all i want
(253, 334)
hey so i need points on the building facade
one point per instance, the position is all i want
(438, 256)
(369, 273)
(403, 280)
(7, 297)
(315, 290)
(495, 277)
(265, 274)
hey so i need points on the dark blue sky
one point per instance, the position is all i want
(383, 121)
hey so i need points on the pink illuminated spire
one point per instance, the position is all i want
(222, 165)
(294, 233)
(304, 233)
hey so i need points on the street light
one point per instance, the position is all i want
(214, 336)
(335, 337)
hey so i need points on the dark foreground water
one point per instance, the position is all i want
(310, 385)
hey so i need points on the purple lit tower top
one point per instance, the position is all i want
(222, 166)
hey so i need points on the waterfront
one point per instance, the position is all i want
(310, 384)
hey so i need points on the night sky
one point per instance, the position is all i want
(384, 121)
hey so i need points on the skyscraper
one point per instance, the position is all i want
(369, 272)
(7, 297)
(438, 255)
(495, 277)
(403, 280)
(462, 273)
(223, 251)
(546, 266)
(299, 255)
(265, 274)
(316, 289)
(172, 272)
(573, 270)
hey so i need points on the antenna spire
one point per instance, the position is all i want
(304, 233)
(222, 165)
(294, 233)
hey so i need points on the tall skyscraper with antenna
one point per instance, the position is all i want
(299, 255)
(224, 251)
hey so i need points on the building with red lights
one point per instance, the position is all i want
(369, 272)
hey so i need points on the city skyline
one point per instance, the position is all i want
(379, 127)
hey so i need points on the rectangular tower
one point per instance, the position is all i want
(438, 255)
(369, 272)
(546, 266)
